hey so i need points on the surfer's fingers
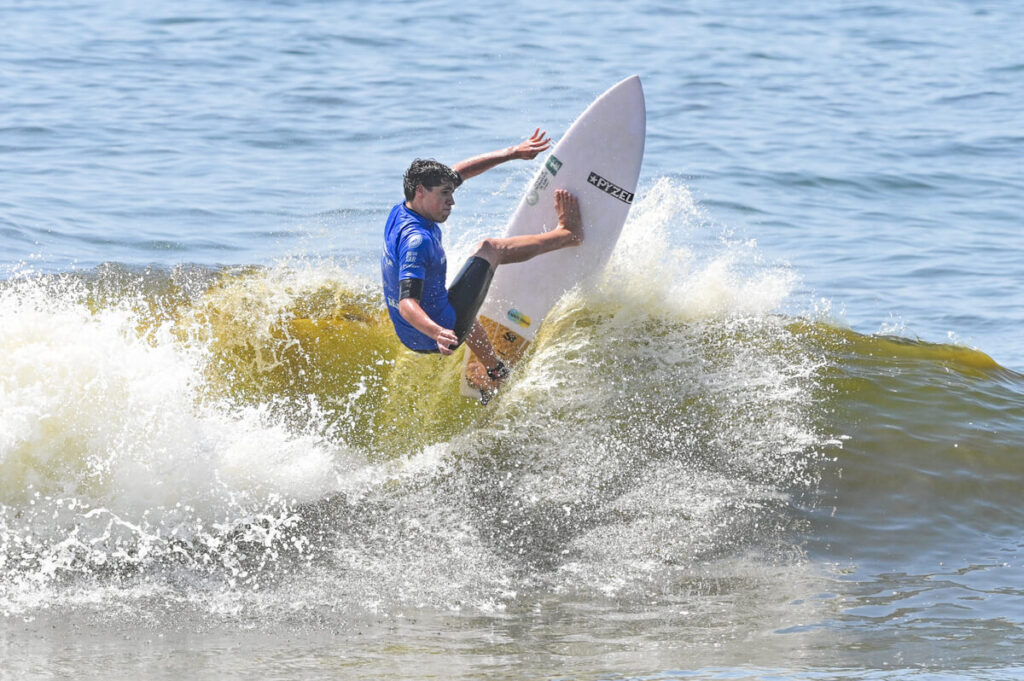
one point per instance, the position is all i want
(566, 198)
(533, 146)
(539, 137)
(447, 341)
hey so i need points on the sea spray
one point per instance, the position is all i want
(94, 408)
(251, 436)
(112, 462)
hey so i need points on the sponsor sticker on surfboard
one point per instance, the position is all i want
(519, 318)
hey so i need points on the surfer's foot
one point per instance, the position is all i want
(568, 209)
(480, 378)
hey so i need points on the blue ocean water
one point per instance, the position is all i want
(825, 185)
(874, 147)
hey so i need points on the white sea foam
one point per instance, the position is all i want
(657, 269)
(92, 408)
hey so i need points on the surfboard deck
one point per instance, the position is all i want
(598, 160)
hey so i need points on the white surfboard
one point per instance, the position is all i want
(598, 160)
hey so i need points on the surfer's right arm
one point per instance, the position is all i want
(409, 308)
(527, 149)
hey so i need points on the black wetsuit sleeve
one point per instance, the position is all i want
(410, 288)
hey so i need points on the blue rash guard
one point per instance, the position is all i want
(412, 250)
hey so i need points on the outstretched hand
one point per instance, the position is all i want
(529, 148)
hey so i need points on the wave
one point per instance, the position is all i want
(218, 435)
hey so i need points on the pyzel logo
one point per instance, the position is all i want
(610, 188)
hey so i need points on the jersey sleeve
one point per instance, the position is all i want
(413, 257)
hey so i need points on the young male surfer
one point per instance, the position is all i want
(427, 316)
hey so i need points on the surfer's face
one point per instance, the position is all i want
(436, 203)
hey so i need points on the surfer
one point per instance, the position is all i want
(427, 316)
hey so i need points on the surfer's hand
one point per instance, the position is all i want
(529, 148)
(446, 341)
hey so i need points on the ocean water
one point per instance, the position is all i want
(780, 437)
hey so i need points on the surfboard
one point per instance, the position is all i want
(598, 160)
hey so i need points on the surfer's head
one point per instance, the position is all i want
(430, 174)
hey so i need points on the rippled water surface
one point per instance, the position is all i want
(780, 438)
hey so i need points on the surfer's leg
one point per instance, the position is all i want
(467, 293)
(501, 251)
(481, 346)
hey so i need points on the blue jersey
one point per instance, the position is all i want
(412, 250)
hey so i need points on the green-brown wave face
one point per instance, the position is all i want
(229, 423)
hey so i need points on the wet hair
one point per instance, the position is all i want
(430, 174)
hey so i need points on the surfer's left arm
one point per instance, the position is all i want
(411, 311)
(526, 150)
